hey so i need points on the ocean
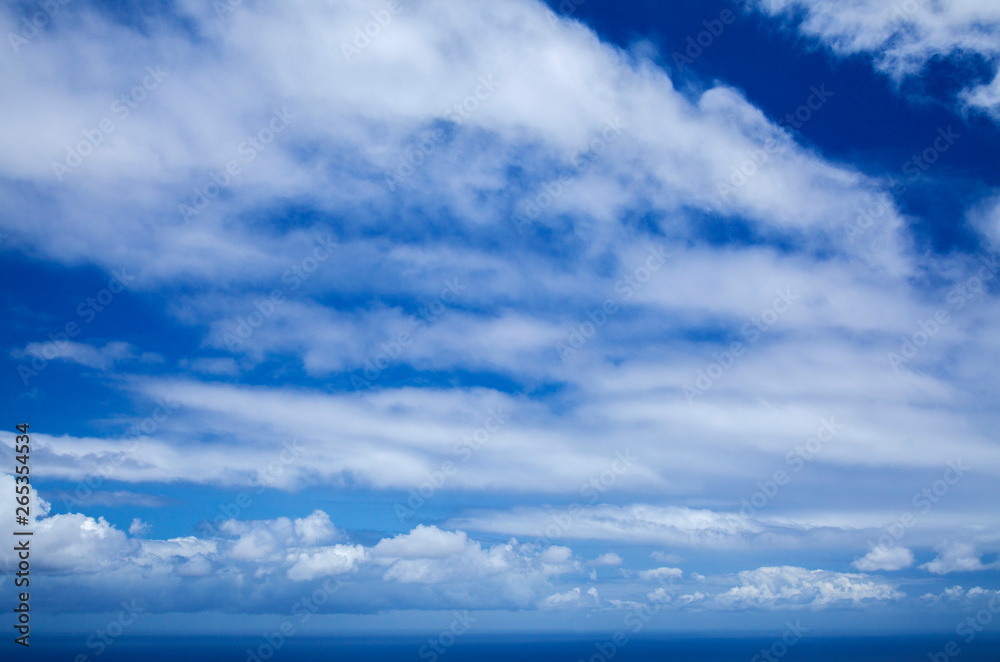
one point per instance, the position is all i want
(520, 648)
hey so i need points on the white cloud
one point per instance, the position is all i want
(257, 561)
(660, 595)
(559, 600)
(692, 598)
(101, 358)
(903, 36)
(791, 587)
(984, 97)
(673, 151)
(621, 391)
(985, 217)
(669, 158)
(138, 527)
(428, 555)
(954, 594)
(325, 561)
(609, 558)
(882, 558)
(186, 548)
(250, 562)
(257, 544)
(955, 557)
(79, 544)
(316, 528)
(635, 523)
(197, 566)
(661, 574)
(427, 542)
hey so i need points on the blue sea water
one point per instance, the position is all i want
(520, 648)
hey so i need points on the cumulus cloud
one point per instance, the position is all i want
(249, 560)
(324, 562)
(953, 594)
(661, 574)
(884, 558)
(138, 527)
(428, 555)
(154, 551)
(572, 598)
(253, 562)
(792, 587)
(197, 566)
(955, 557)
(75, 543)
(427, 542)
(660, 595)
(609, 558)
(315, 528)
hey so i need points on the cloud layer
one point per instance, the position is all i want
(481, 255)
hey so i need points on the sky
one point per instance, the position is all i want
(580, 315)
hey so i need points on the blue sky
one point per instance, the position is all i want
(556, 313)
